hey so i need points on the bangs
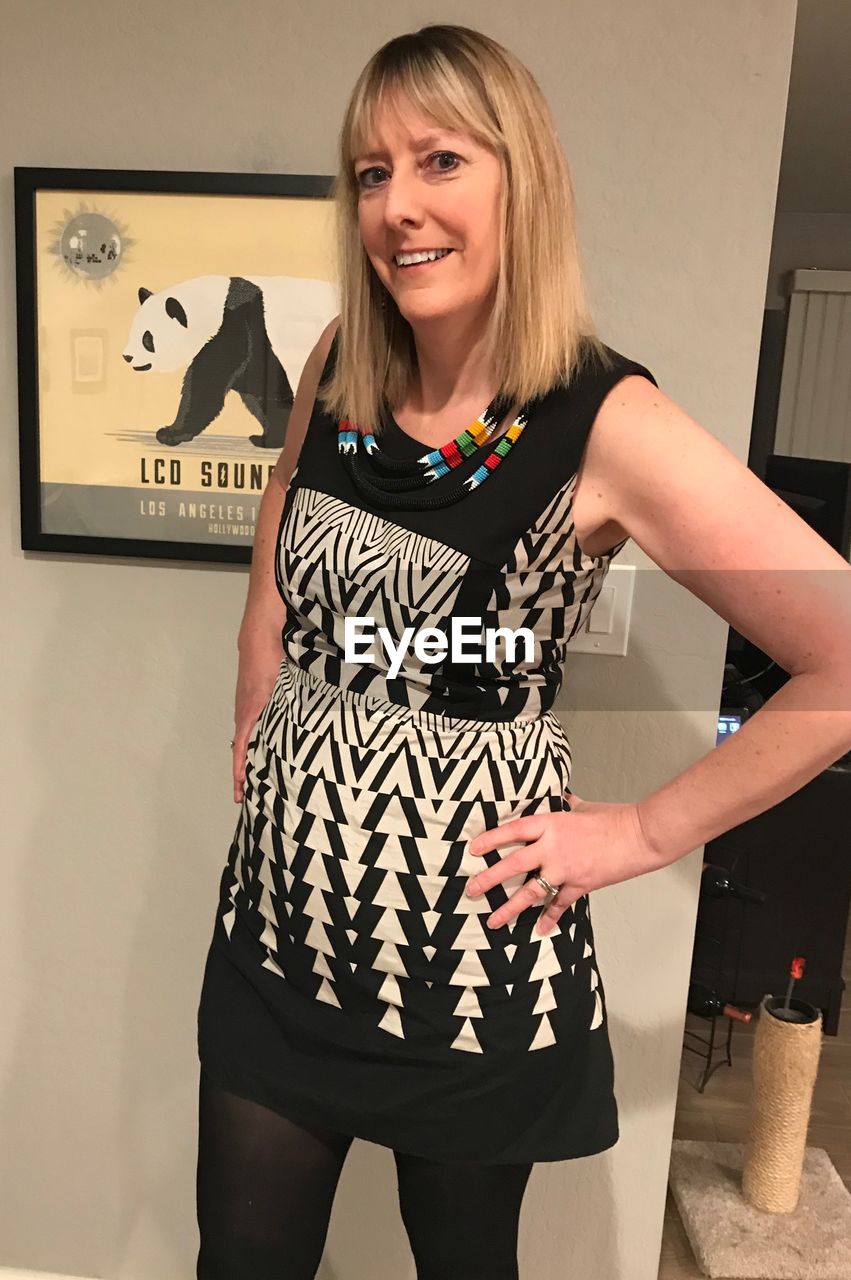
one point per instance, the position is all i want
(429, 84)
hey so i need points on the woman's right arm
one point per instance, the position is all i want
(259, 641)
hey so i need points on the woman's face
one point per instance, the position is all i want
(422, 186)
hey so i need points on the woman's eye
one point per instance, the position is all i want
(364, 173)
(445, 154)
(366, 182)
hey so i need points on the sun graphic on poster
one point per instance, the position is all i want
(89, 245)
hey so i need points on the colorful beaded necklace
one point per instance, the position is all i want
(404, 482)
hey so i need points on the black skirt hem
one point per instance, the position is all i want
(268, 1059)
(234, 1079)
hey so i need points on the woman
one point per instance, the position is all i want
(372, 972)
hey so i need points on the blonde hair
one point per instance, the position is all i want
(540, 332)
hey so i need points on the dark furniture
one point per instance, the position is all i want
(799, 854)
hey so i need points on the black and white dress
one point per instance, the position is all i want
(351, 983)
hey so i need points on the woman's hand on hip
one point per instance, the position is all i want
(259, 664)
(591, 845)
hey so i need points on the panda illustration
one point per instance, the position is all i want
(248, 334)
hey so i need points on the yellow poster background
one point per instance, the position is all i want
(97, 430)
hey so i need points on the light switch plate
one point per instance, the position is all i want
(606, 629)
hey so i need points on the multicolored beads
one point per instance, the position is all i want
(436, 463)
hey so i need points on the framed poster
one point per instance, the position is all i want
(164, 319)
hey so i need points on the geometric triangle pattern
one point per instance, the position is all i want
(349, 864)
(349, 867)
(336, 561)
(357, 962)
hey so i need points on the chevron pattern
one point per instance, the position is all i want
(336, 561)
(351, 982)
(550, 586)
(349, 864)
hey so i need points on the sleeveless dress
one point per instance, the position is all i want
(350, 982)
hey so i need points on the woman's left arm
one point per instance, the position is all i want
(704, 518)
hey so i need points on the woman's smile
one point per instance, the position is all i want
(418, 263)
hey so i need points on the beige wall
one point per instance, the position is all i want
(118, 675)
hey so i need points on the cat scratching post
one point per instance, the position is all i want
(786, 1054)
(724, 1190)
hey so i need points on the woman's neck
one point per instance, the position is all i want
(453, 371)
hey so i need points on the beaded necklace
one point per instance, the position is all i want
(397, 482)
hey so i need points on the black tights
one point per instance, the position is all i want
(266, 1188)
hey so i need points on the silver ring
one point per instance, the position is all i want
(231, 743)
(545, 884)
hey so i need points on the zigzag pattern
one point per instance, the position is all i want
(349, 865)
(336, 561)
(549, 585)
(349, 862)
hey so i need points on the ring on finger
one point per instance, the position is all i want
(551, 890)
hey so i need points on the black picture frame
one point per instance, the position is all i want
(41, 534)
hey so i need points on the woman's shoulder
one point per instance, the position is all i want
(597, 369)
(602, 365)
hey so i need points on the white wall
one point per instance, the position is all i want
(118, 679)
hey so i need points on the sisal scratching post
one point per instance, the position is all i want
(786, 1053)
